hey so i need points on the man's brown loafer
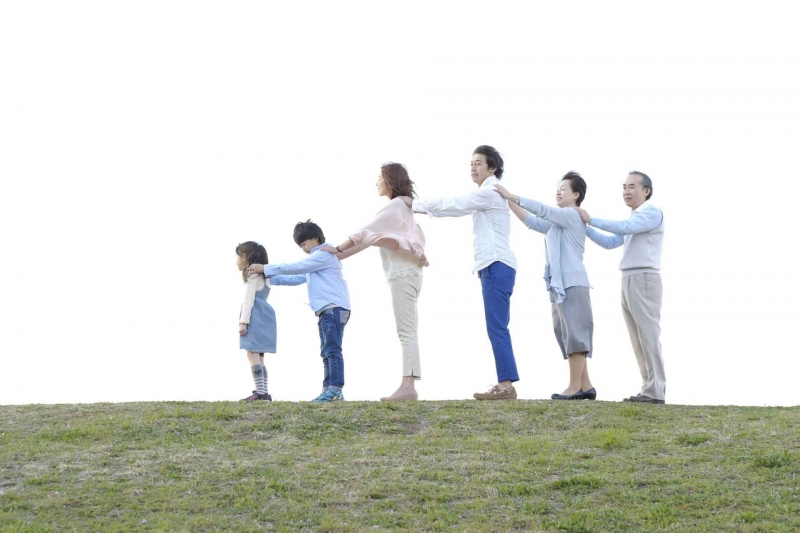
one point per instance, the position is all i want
(495, 393)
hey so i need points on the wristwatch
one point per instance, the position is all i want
(517, 200)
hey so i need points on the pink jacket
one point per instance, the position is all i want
(394, 228)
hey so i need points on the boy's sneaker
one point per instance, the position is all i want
(329, 396)
(256, 396)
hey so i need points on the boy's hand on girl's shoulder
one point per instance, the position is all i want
(242, 329)
(330, 250)
(258, 269)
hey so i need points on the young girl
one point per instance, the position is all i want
(257, 328)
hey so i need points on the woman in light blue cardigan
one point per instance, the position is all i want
(564, 276)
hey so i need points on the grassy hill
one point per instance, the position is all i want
(432, 466)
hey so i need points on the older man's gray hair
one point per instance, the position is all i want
(646, 181)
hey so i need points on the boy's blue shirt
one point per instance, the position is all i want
(323, 274)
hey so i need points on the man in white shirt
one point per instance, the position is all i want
(495, 263)
(643, 237)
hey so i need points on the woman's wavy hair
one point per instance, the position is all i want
(396, 177)
(253, 253)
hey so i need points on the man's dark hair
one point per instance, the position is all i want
(493, 158)
(578, 185)
(647, 183)
(308, 230)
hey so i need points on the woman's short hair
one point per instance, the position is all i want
(578, 185)
(396, 177)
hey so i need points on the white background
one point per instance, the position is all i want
(140, 142)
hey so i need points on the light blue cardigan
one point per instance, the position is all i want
(565, 235)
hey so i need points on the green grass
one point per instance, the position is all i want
(428, 466)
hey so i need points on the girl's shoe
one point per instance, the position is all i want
(256, 396)
(329, 396)
(590, 394)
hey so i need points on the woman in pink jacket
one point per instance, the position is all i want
(401, 244)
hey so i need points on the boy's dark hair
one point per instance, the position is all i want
(647, 183)
(396, 177)
(578, 185)
(308, 230)
(253, 253)
(493, 158)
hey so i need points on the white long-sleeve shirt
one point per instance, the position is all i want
(255, 283)
(491, 222)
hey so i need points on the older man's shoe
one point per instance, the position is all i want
(645, 399)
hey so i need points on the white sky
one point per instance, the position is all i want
(140, 142)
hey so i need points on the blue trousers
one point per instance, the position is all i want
(497, 282)
(331, 325)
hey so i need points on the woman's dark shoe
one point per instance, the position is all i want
(590, 394)
(577, 396)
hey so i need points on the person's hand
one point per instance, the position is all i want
(258, 269)
(330, 250)
(242, 329)
(584, 215)
(406, 200)
(502, 191)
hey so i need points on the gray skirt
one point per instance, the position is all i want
(572, 321)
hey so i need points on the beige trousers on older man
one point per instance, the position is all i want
(641, 307)
(405, 291)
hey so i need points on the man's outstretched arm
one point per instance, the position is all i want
(458, 206)
(609, 242)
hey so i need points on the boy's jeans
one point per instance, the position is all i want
(331, 330)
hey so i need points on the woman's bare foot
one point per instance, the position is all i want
(402, 394)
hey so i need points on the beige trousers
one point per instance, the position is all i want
(405, 291)
(641, 307)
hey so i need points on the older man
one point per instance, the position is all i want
(643, 236)
(495, 262)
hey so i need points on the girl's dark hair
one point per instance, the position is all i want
(396, 177)
(647, 183)
(493, 158)
(307, 230)
(253, 253)
(578, 185)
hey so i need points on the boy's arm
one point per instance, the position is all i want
(647, 220)
(316, 261)
(287, 280)
(458, 206)
(609, 242)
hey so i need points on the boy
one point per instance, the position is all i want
(328, 297)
